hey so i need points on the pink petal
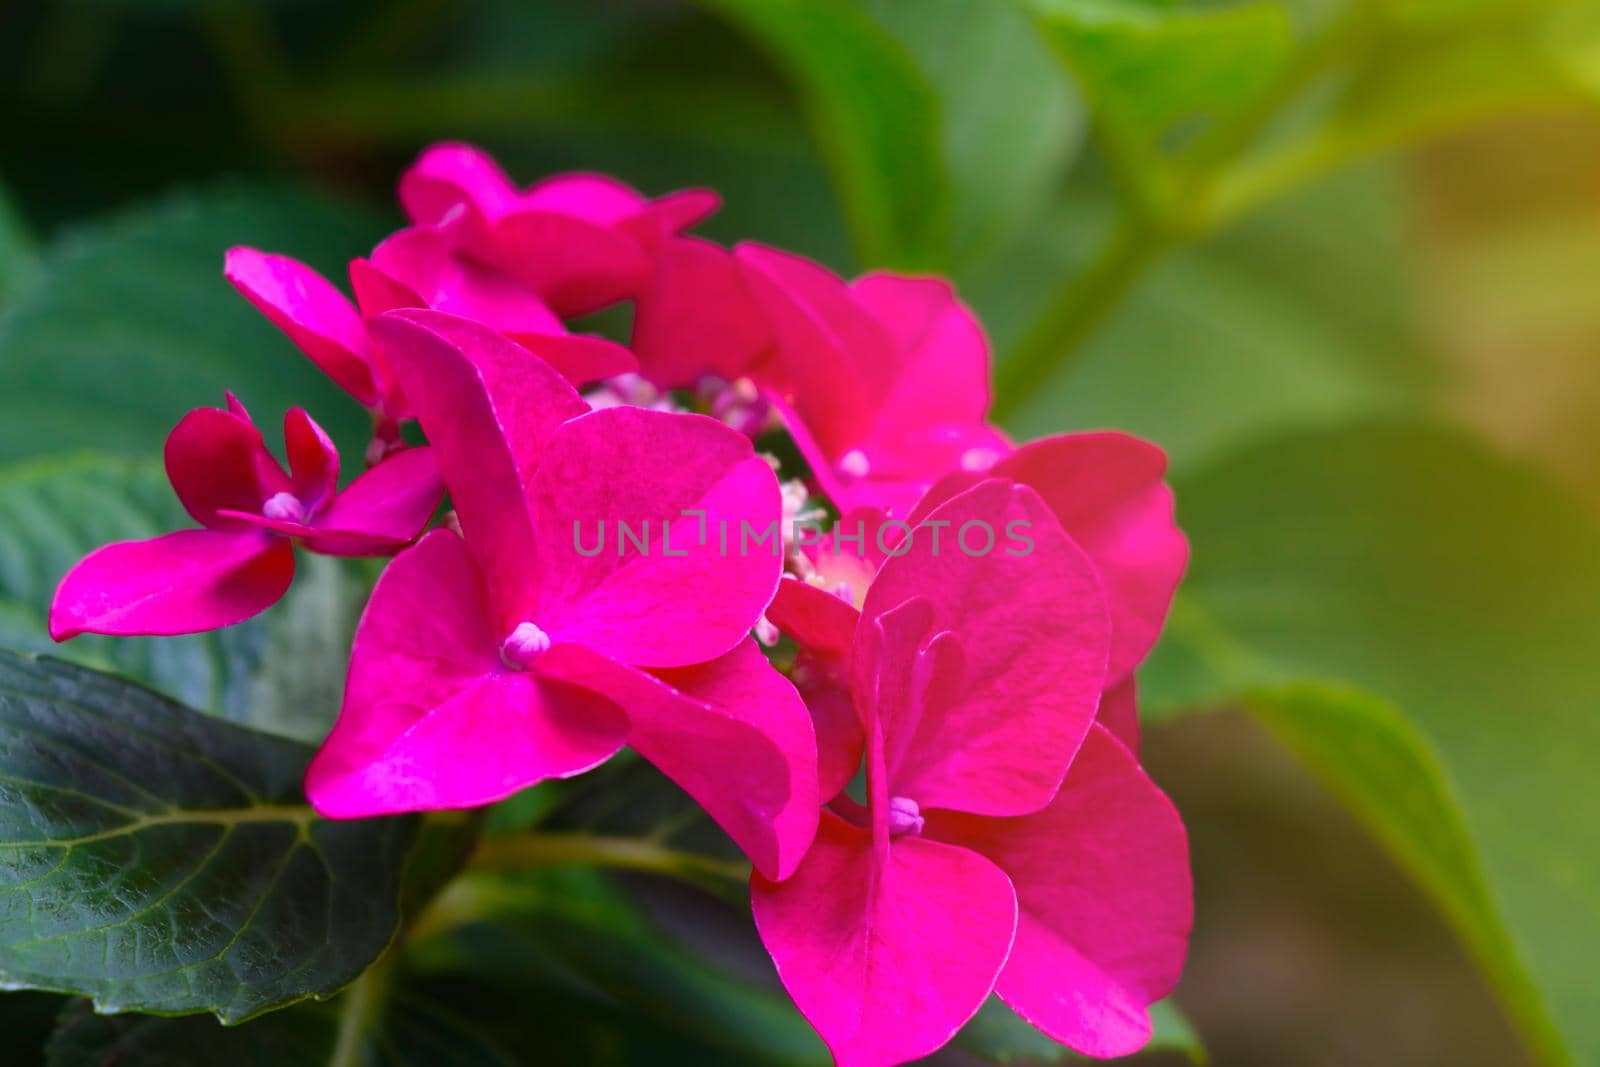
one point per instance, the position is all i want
(217, 461)
(1026, 634)
(388, 506)
(1119, 713)
(1106, 489)
(836, 359)
(313, 460)
(824, 627)
(813, 617)
(695, 315)
(448, 175)
(672, 214)
(596, 198)
(487, 407)
(887, 962)
(181, 583)
(318, 318)
(823, 682)
(944, 357)
(576, 266)
(1102, 878)
(432, 718)
(580, 359)
(732, 733)
(684, 599)
(428, 261)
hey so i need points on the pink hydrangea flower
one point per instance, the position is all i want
(519, 650)
(416, 268)
(1107, 491)
(1008, 843)
(579, 241)
(884, 381)
(251, 513)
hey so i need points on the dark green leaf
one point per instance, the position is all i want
(16, 251)
(282, 671)
(162, 861)
(130, 323)
(410, 1031)
(575, 932)
(998, 1035)
(1411, 562)
(875, 115)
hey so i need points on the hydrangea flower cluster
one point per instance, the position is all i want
(937, 787)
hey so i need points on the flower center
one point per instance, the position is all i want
(905, 817)
(855, 463)
(526, 643)
(284, 507)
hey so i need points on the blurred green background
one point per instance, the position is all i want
(1337, 257)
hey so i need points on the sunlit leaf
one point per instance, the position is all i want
(1460, 588)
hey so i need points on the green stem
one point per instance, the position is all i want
(524, 851)
(1151, 224)
(1075, 311)
(362, 1005)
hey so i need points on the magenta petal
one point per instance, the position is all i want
(181, 583)
(887, 963)
(487, 406)
(217, 461)
(815, 618)
(390, 504)
(1106, 489)
(732, 733)
(1119, 713)
(1102, 878)
(432, 718)
(576, 266)
(673, 213)
(696, 316)
(596, 198)
(944, 364)
(428, 261)
(823, 682)
(835, 358)
(313, 460)
(694, 592)
(1032, 634)
(580, 359)
(449, 175)
(318, 318)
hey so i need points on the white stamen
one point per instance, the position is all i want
(526, 643)
(905, 817)
(855, 463)
(284, 507)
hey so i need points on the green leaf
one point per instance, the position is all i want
(162, 861)
(875, 115)
(130, 323)
(1010, 121)
(411, 1031)
(1388, 774)
(574, 933)
(1412, 563)
(1156, 75)
(282, 671)
(998, 1035)
(1233, 338)
(16, 251)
